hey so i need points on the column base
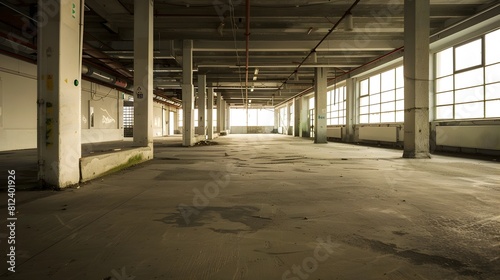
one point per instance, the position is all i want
(416, 155)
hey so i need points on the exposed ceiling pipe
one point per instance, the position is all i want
(313, 51)
(305, 91)
(107, 60)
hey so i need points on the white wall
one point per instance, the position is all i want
(107, 105)
(18, 109)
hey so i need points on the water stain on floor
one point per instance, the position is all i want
(192, 217)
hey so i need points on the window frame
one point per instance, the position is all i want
(370, 106)
(483, 66)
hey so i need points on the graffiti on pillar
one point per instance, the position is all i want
(49, 125)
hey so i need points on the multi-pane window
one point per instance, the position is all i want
(381, 97)
(256, 117)
(336, 110)
(468, 79)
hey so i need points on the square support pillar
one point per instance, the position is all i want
(59, 94)
(223, 114)
(304, 117)
(143, 73)
(320, 85)
(276, 120)
(296, 123)
(227, 116)
(289, 118)
(350, 120)
(416, 72)
(210, 112)
(202, 105)
(219, 112)
(187, 94)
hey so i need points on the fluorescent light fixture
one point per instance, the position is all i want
(256, 72)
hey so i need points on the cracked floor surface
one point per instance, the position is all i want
(267, 207)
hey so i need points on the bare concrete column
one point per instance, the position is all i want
(227, 116)
(59, 94)
(289, 118)
(350, 121)
(187, 93)
(320, 85)
(202, 104)
(296, 123)
(276, 119)
(219, 110)
(304, 119)
(143, 73)
(210, 116)
(223, 115)
(416, 70)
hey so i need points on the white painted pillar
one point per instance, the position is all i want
(59, 94)
(416, 68)
(210, 110)
(143, 73)
(187, 93)
(202, 104)
(320, 85)
(350, 121)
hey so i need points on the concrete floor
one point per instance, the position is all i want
(267, 207)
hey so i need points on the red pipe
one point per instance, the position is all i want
(347, 12)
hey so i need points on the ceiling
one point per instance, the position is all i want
(283, 36)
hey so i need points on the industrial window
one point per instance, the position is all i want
(256, 117)
(467, 81)
(128, 119)
(336, 110)
(381, 97)
(181, 118)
